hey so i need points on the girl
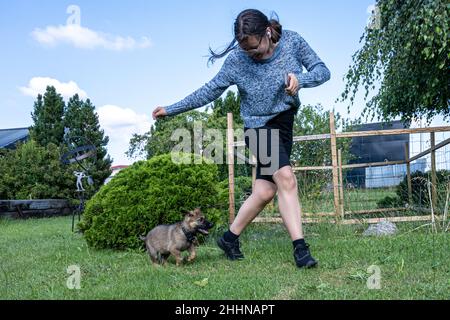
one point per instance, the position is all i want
(266, 66)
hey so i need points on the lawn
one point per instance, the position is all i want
(415, 264)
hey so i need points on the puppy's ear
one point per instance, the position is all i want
(189, 213)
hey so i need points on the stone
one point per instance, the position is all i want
(382, 228)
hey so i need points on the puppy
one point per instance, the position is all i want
(164, 240)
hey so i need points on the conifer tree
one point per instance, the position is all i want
(48, 118)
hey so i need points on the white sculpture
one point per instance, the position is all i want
(80, 175)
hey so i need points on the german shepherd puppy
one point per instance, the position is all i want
(164, 240)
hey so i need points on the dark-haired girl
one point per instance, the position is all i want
(265, 62)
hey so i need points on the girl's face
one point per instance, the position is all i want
(256, 46)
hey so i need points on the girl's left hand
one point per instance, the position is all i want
(292, 85)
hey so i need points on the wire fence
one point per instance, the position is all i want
(394, 174)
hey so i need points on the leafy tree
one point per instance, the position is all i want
(48, 118)
(158, 140)
(407, 52)
(218, 120)
(312, 120)
(221, 107)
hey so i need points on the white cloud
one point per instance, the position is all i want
(115, 117)
(85, 38)
(120, 124)
(38, 85)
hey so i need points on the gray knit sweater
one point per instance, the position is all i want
(261, 84)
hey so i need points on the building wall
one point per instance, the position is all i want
(390, 176)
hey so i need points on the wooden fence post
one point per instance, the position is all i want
(433, 170)
(230, 154)
(341, 184)
(408, 173)
(335, 165)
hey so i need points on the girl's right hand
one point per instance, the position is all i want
(159, 112)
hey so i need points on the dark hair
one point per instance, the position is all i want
(250, 22)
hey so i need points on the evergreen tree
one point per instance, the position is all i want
(48, 118)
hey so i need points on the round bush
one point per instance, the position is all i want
(146, 194)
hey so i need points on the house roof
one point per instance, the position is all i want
(9, 137)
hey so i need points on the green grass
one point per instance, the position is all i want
(35, 254)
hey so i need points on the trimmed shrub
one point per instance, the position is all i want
(146, 194)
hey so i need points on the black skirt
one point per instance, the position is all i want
(272, 148)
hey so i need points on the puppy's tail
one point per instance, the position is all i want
(142, 238)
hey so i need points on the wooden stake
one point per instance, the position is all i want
(408, 173)
(230, 153)
(391, 132)
(378, 210)
(433, 170)
(335, 165)
(312, 168)
(341, 184)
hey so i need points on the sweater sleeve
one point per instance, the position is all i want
(318, 72)
(207, 93)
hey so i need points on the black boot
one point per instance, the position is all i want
(303, 257)
(231, 249)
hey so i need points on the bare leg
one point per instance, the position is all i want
(288, 202)
(262, 195)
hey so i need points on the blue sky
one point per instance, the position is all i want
(130, 56)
